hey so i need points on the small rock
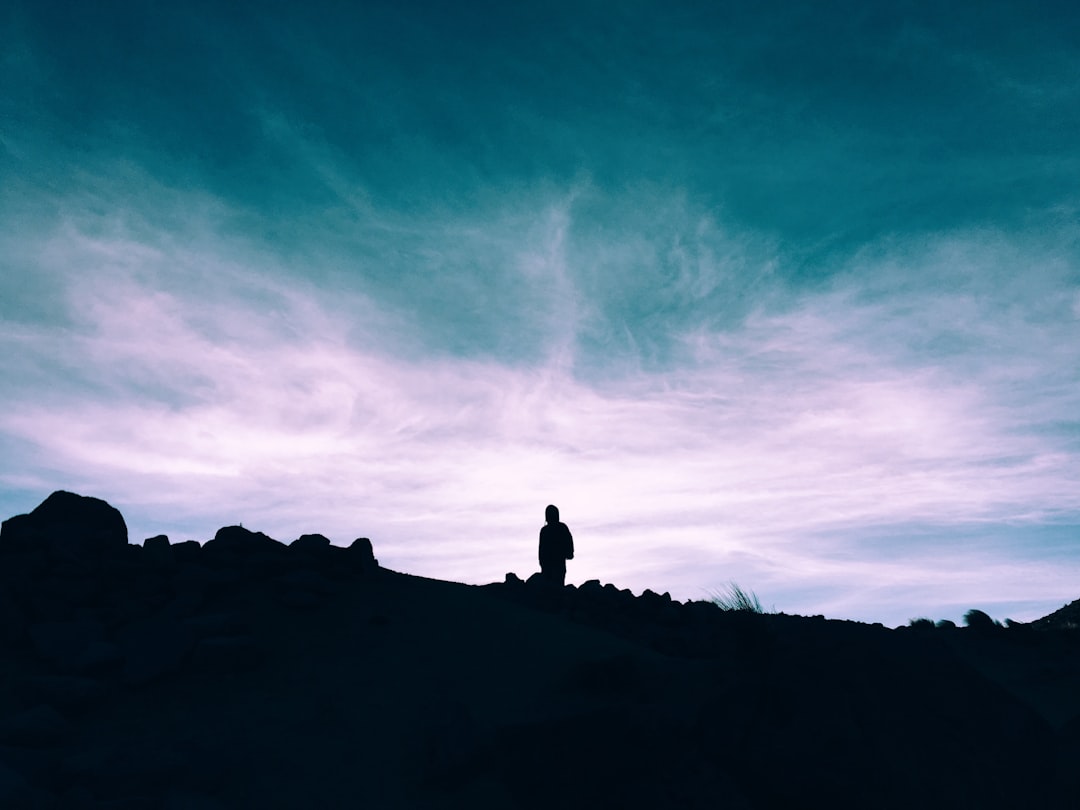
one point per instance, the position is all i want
(157, 551)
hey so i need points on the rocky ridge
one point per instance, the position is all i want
(246, 672)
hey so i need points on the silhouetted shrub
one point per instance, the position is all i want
(736, 599)
(979, 620)
(946, 624)
(922, 623)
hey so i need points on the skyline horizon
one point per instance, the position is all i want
(707, 593)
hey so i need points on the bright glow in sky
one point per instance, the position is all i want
(787, 296)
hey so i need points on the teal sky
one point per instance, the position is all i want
(780, 293)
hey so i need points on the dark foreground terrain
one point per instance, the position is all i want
(247, 673)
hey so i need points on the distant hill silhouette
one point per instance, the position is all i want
(1066, 617)
(244, 672)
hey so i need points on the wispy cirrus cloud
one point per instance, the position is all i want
(197, 379)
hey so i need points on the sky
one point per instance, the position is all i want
(785, 294)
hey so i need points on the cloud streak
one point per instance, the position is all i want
(192, 384)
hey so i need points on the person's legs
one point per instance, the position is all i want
(554, 575)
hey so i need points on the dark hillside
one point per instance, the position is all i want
(1066, 617)
(247, 673)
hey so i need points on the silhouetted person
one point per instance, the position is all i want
(556, 547)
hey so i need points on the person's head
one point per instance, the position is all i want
(551, 514)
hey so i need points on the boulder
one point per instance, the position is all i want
(310, 544)
(650, 603)
(592, 586)
(362, 554)
(187, 551)
(536, 580)
(238, 540)
(157, 551)
(67, 526)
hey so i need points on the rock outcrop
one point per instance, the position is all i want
(66, 526)
(92, 621)
(246, 672)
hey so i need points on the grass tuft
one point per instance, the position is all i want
(737, 600)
